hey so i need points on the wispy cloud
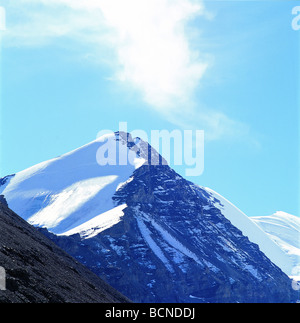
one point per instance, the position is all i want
(150, 42)
(153, 49)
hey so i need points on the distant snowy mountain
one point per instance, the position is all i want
(284, 230)
(150, 233)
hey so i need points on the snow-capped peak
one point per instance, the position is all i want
(69, 190)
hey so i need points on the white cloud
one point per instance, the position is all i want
(152, 51)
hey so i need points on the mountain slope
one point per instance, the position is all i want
(283, 229)
(150, 233)
(254, 232)
(37, 271)
(64, 192)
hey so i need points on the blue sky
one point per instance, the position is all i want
(231, 68)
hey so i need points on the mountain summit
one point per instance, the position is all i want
(150, 233)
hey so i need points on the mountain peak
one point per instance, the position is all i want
(142, 148)
(69, 190)
(115, 205)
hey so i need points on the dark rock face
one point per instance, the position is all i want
(37, 271)
(173, 245)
